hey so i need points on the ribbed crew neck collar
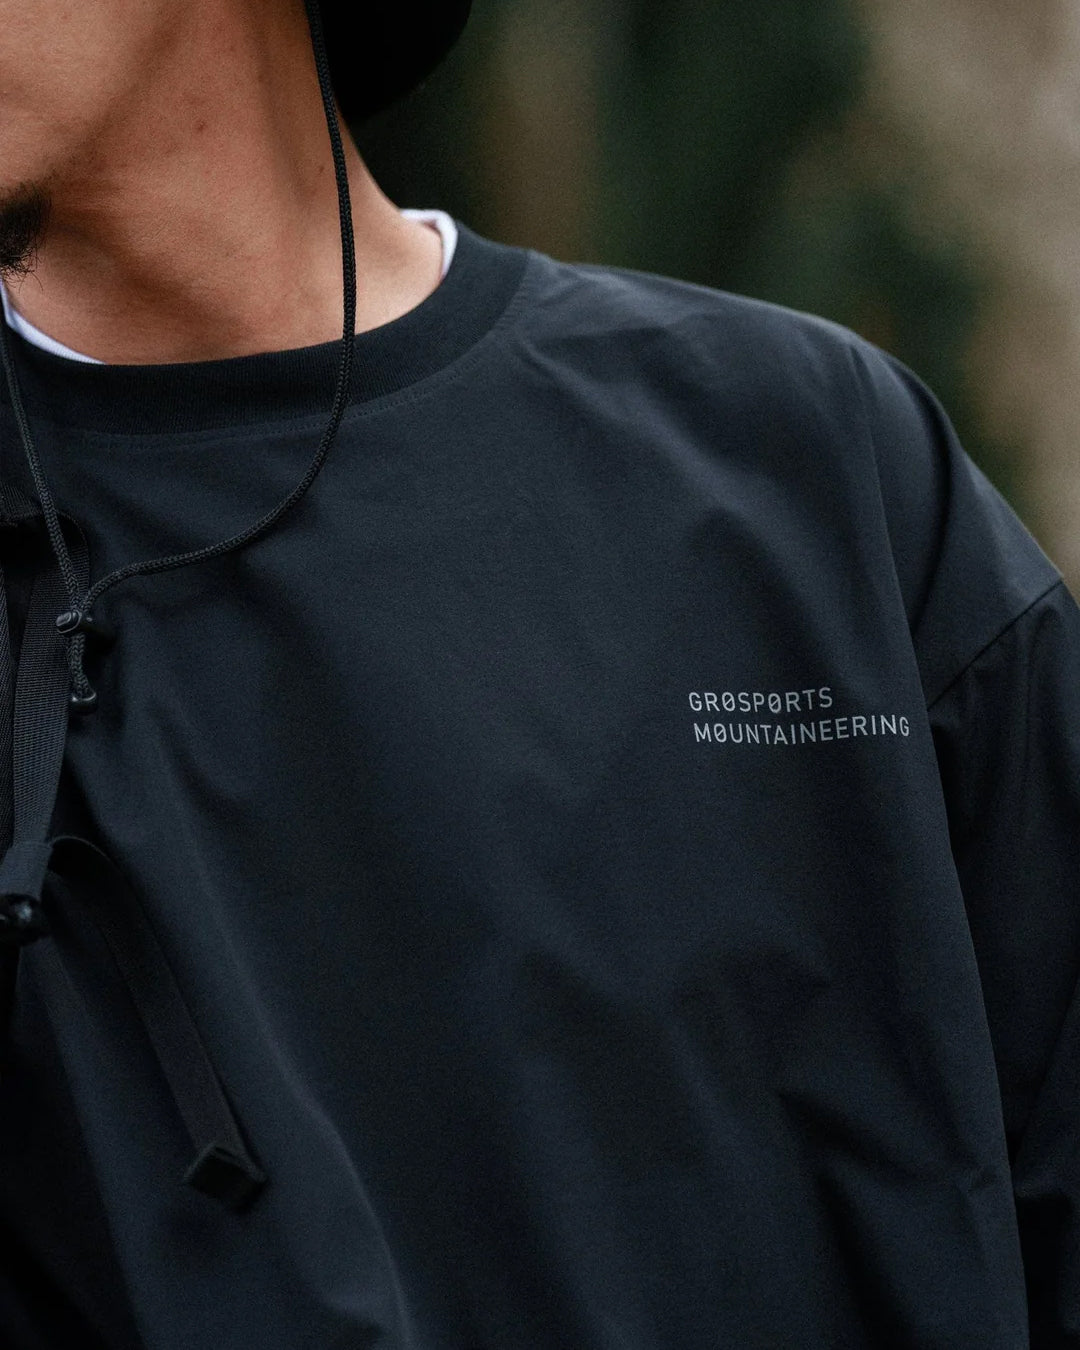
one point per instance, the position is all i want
(277, 386)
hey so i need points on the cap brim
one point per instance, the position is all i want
(379, 51)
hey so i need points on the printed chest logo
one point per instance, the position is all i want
(785, 718)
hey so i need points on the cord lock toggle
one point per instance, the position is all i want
(82, 621)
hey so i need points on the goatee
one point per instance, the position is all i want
(24, 214)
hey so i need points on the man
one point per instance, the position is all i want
(588, 859)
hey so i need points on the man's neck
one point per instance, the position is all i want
(207, 226)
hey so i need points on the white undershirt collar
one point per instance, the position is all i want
(439, 220)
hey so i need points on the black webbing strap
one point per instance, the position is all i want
(16, 511)
(9, 956)
(223, 1165)
(7, 681)
(42, 686)
(31, 757)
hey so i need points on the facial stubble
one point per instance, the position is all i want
(24, 215)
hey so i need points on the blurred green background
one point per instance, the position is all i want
(768, 147)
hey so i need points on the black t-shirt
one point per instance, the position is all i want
(615, 841)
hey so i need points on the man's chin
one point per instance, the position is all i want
(24, 214)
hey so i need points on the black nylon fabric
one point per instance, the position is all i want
(565, 833)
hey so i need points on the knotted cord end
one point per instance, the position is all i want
(22, 877)
(22, 921)
(82, 703)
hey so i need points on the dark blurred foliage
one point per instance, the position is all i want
(720, 141)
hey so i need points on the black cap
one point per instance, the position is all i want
(380, 49)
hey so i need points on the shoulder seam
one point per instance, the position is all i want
(993, 642)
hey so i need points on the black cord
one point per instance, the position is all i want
(341, 396)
